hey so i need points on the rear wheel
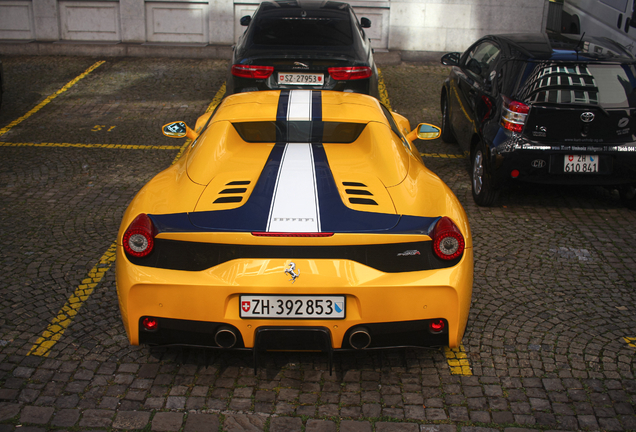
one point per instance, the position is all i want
(447, 133)
(628, 196)
(483, 192)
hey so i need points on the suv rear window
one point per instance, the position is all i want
(303, 31)
(607, 85)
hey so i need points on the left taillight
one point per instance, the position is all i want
(251, 71)
(448, 241)
(514, 114)
(349, 72)
(139, 238)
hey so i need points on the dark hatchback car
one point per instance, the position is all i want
(304, 45)
(543, 108)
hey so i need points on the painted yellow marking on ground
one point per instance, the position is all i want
(65, 316)
(39, 106)
(217, 99)
(107, 146)
(631, 341)
(384, 95)
(458, 361)
(215, 102)
(446, 156)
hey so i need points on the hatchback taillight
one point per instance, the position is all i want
(514, 114)
(448, 241)
(251, 71)
(350, 72)
(139, 238)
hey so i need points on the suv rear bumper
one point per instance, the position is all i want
(545, 164)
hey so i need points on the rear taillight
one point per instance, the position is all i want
(349, 72)
(448, 241)
(514, 114)
(251, 71)
(437, 326)
(139, 238)
(150, 323)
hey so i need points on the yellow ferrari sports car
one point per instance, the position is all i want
(296, 220)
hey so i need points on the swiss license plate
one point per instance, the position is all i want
(300, 78)
(292, 306)
(580, 164)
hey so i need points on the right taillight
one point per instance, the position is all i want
(514, 114)
(251, 71)
(350, 72)
(448, 241)
(139, 238)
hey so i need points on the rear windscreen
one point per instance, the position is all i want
(610, 86)
(303, 31)
(299, 131)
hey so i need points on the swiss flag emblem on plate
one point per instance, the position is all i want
(246, 306)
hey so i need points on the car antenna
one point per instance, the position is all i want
(576, 48)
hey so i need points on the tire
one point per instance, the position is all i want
(447, 132)
(628, 196)
(484, 194)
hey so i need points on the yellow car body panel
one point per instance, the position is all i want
(217, 235)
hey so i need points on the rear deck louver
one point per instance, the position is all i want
(233, 194)
(357, 191)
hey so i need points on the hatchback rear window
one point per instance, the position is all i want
(299, 131)
(303, 31)
(607, 85)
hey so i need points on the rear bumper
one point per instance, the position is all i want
(394, 308)
(177, 332)
(545, 163)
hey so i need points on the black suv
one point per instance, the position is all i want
(543, 108)
(312, 45)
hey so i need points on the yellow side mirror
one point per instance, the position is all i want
(179, 129)
(424, 131)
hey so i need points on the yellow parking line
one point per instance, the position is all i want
(458, 361)
(447, 156)
(631, 341)
(39, 106)
(65, 316)
(107, 146)
(384, 94)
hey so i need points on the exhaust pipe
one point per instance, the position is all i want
(360, 338)
(225, 337)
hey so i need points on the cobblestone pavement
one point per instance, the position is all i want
(552, 332)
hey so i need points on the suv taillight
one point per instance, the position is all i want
(251, 71)
(448, 241)
(350, 72)
(514, 114)
(139, 238)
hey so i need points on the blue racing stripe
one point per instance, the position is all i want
(335, 216)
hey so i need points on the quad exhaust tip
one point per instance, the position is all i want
(360, 338)
(225, 337)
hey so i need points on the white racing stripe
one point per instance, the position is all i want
(295, 203)
(299, 107)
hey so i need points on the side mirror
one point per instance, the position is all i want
(424, 131)
(451, 59)
(179, 129)
(246, 20)
(365, 22)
